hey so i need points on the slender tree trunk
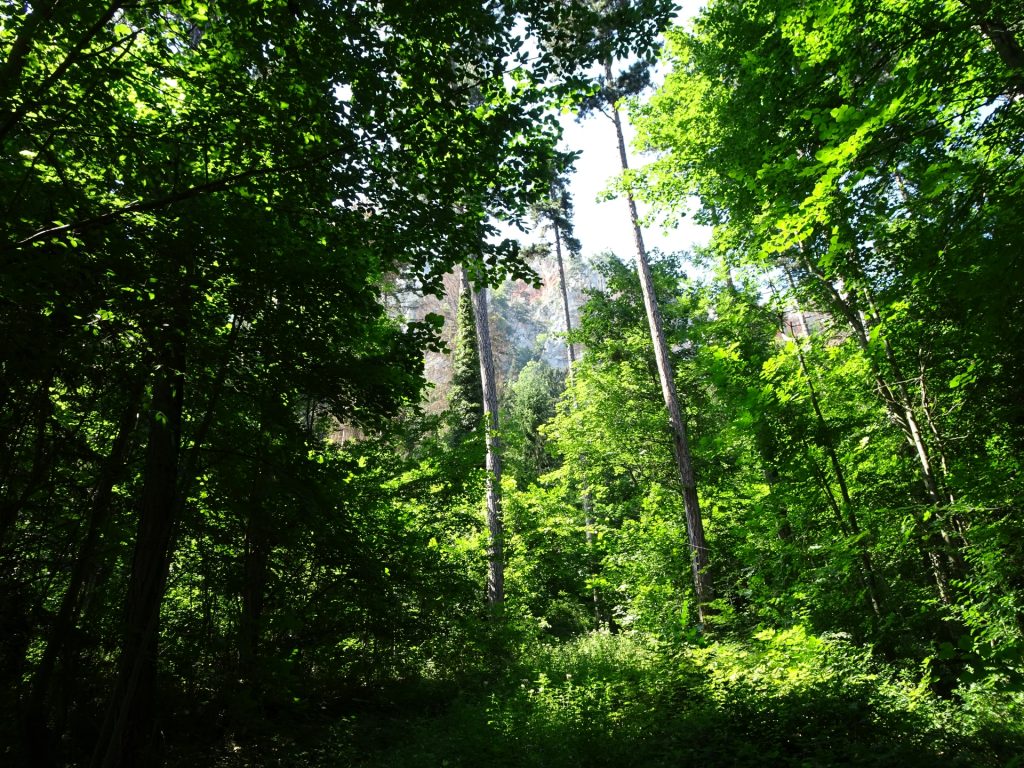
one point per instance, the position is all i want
(940, 449)
(256, 556)
(901, 412)
(59, 641)
(681, 446)
(585, 498)
(496, 534)
(896, 398)
(43, 449)
(563, 284)
(126, 738)
(870, 578)
(947, 549)
(827, 442)
(830, 496)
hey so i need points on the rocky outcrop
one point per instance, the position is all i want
(526, 322)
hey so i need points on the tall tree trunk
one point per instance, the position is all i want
(681, 446)
(496, 534)
(566, 309)
(43, 449)
(126, 738)
(901, 411)
(585, 498)
(256, 557)
(59, 641)
(828, 444)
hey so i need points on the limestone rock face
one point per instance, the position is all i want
(527, 323)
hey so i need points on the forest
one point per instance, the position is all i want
(765, 509)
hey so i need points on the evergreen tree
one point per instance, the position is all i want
(530, 403)
(465, 396)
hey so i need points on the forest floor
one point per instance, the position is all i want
(778, 699)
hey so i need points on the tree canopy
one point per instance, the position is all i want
(230, 533)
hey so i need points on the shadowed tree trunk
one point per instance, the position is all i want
(495, 540)
(255, 562)
(59, 641)
(563, 284)
(126, 738)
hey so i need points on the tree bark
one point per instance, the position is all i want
(8, 122)
(681, 446)
(43, 449)
(126, 738)
(570, 350)
(59, 641)
(1008, 49)
(256, 557)
(588, 505)
(495, 527)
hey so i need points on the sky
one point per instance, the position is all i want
(604, 226)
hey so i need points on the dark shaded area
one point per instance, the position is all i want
(609, 712)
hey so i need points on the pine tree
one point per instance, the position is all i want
(466, 397)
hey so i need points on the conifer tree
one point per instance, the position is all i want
(465, 397)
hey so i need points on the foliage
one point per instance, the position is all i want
(885, 195)
(229, 537)
(203, 202)
(529, 403)
(789, 698)
(465, 397)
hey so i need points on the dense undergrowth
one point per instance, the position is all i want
(781, 698)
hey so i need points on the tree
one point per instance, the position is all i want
(556, 212)
(492, 436)
(529, 403)
(888, 173)
(203, 199)
(465, 397)
(611, 95)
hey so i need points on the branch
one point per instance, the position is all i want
(26, 106)
(143, 206)
(18, 53)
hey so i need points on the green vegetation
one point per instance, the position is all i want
(776, 698)
(229, 534)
